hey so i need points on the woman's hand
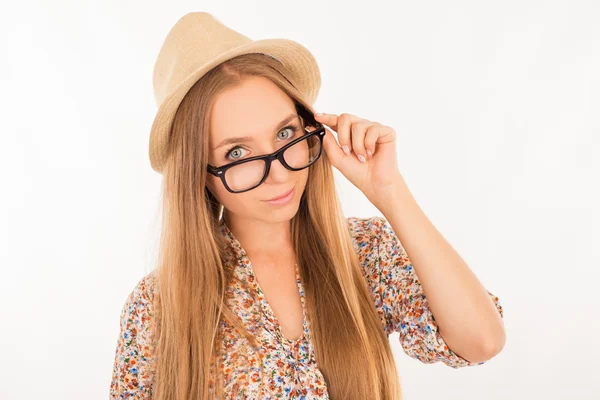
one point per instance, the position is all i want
(369, 160)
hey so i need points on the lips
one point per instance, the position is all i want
(282, 196)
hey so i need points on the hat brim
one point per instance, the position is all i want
(297, 59)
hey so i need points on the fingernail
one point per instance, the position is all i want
(361, 158)
(369, 153)
(319, 114)
(346, 150)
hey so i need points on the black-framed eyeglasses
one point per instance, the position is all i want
(244, 175)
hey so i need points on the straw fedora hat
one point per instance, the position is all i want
(199, 42)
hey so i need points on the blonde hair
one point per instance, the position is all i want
(195, 265)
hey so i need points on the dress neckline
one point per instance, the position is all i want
(246, 263)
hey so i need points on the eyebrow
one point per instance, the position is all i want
(244, 139)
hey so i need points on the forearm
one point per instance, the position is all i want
(467, 317)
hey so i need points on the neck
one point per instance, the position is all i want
(266, 240)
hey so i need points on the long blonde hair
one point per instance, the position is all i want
(195, 265)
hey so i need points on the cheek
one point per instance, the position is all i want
(304, 178)
(216, 187)
(232, 201)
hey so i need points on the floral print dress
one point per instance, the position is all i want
(290, 366)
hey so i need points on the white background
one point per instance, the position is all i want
(496, 109)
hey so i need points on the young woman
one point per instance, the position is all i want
(263, 288)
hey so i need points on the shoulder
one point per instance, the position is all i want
(366, 230)
(143, 292)
(376, 243)
(138, 309)
(366, 234)
(133, 366)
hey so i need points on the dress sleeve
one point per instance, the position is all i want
(399, 296)
(132, 369)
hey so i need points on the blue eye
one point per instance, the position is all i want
(293, 130)
(234, 150)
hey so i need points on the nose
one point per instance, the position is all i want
(278, 173)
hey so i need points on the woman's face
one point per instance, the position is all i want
(266, 119)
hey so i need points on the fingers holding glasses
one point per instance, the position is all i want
(355, 135)
(359, 134)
